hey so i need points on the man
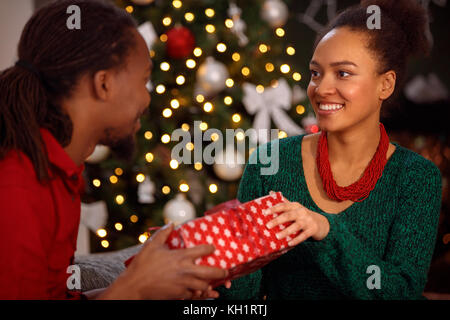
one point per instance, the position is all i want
(69, 91)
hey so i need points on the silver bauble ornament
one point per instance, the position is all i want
(211, 76)
(275, 12)
(178, 210)
(229, 165)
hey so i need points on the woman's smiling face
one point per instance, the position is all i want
(345, 87)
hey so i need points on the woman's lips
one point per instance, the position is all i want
(329, 108)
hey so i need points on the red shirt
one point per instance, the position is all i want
(39, 224)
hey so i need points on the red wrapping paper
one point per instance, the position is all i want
(238, 232)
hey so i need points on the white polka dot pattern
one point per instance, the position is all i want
(242, 241)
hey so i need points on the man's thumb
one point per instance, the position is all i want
(162, 234)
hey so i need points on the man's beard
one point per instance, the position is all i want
(121, 147)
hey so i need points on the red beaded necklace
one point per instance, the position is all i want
(359, 190)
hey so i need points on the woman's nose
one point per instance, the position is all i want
(326, 87)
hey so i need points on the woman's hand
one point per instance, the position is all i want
(310, 223)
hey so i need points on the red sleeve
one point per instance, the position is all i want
(23, 244)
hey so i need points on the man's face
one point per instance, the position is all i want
(130, 100)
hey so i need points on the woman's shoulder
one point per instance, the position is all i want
(416, 166)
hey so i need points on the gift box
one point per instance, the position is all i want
(238, 232)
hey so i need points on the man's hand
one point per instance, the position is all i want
(160, 273)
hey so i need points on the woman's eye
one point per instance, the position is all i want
(343, 74)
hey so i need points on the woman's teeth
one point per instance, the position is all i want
(330, 106)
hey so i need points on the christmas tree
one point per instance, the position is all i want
(217, 64)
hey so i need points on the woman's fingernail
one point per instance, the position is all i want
(269, 225)
(291, 243)
(278, 236)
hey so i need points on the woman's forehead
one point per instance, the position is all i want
(342, 44)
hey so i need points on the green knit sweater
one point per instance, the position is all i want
(393, 229)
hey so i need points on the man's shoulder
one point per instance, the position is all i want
(16, 169)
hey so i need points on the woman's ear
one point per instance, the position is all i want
(387, 84)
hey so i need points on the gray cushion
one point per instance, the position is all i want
(99, 270)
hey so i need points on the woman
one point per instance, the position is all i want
(367, 209)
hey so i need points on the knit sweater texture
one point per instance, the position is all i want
(391, 233)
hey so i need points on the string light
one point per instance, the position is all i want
(236, 56)
(129, 9)
(229, 82)
(96, 183)
(284, 68)
(290, 51)
(190, 63)
(296, 76)
(228, 100)
(214, 136)
(279, 32)
(174, 103)
(269, 67)
(120, 199)
(174, 164)
(198, 166)
(190, 146)
(160, 89)
(184, 187)
(113, 179)
(229, 23)
(101, 233)
(189, 16)
(245, 71)
(165, 66)
(163, 37)
(167, 113)
(282, 134)
(210, 28)
(166, 189)
(210, 12)
(143, 237)
(221, 47)
(200, 98)
(208, 107)
(197, 52)
(167, 21)
(185, 127)
(177, 4)
(152, 53)
(134, 218)
(118, 171)
(165, 138)
(259, 88)
(240, 136)
(300, 109)
(140, 177)
(149, 157)
(180, 80)
(203, 126)
(148, 135)
(236, 117)
(262, 48)
(118, 226)
(213, 188)
(105, 243)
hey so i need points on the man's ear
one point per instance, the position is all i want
(387, 84)
(102, 84)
